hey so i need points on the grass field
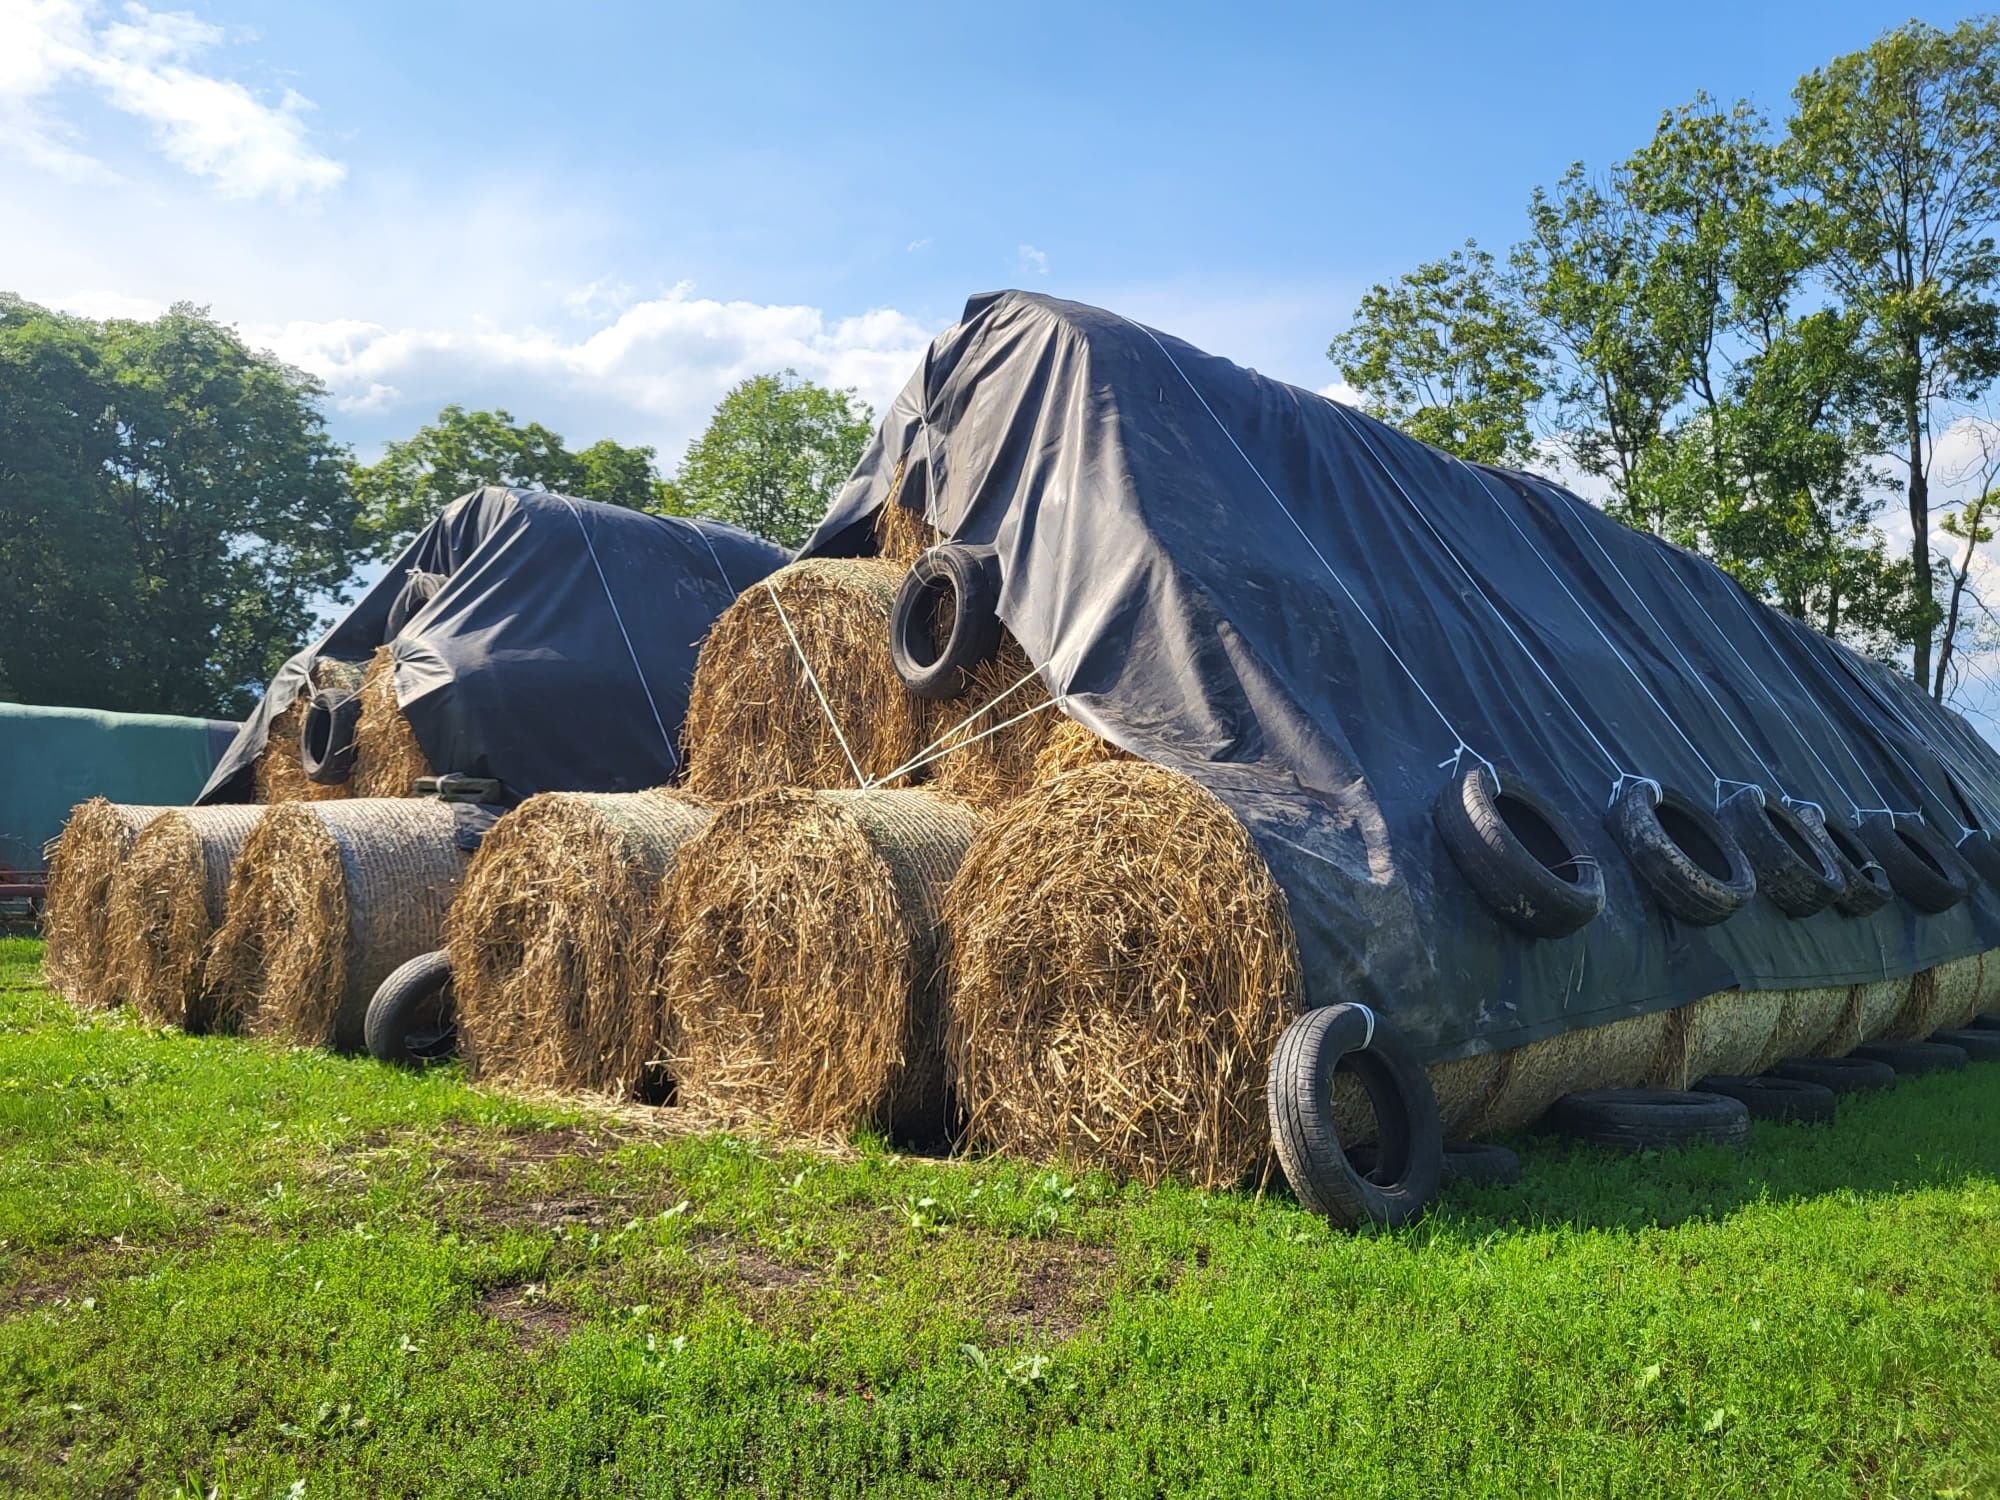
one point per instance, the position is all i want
(226, 1268)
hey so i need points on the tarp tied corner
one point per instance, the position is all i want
(1317, 617)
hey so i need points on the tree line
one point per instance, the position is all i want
(1751, 335)
(175, 517)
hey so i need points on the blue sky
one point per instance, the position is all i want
(600, 216)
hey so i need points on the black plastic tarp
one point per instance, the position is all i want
(558, 653)
(1317, 617)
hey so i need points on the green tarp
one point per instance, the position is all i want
(53, 758)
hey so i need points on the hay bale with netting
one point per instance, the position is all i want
(387, 758)
(1122, 966)
(1919, 1015)
(328, 897)
(1727, 1032)
(1806, 1018)
(1532, 1077)
(280, 774)
(799, 948)
(545, 939)
(1870, 1008)
(167, 904)
(902, 535)
(755, 717)
(1461, 1087)
(83, 860)
(1959, 988)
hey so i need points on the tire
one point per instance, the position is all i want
(1706, 879)
(1977, 1045)
(1920, 866)
(1651, 1119)
(1478, 1162)
(418, 589)
(326, 735)
(1915, 1057)
(1978, 850)
(1797, 1101)
(1985, 1023)
(1793, 861)
(1843, 1075)
(411, 1020)
(1409, 1153)
(966, 582)
(1864, 887)
(1511, 845)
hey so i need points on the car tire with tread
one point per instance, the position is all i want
(1513, 847)
(1915, 1057)
(1843, 1075)
(1650, 1119)
(1795, 1101)
(1695, 870)
(411, 1020)
(1794, 862)
(965, 581)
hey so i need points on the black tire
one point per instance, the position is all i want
(1794, 863)
(1478, 1162)
(1843, 1075)
(1920, 865)
(1694, 868)
(1409, 1149)
(418, 589)
(1865, 888)
(1519, 855)
(1985, 1023)
(1915, 1057)
(962, 584)
(1651, 1119)
(1978, 850)
(411, 1020)
(1797, 1101)
(1977, 1045)
(326, 735)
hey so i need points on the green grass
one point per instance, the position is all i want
(229, 1268)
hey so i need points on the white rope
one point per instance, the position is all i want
(921, 761)
(813, 678)
(1459, 750)
(727, 582)
(1965, 829)
(1834, 674)
(924, 755)
(576, 514)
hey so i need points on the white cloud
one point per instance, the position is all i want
(1342, 392)
(650, 375)
(915, 245)
(140, 64)
(1031, 261)
(102, 304)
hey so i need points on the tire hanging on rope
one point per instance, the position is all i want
(1519, 854)
(1687, 859)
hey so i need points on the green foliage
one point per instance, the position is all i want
(230, 1267)
(774, 455)
(171, 511)
(461, 451)
(1447, 354)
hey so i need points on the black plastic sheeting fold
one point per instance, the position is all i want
(1316, 617)
(558, 653)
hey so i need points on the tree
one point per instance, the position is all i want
(1896, 151)
(172, 511)
(415, 479)
(773, 456)
(1447, 354)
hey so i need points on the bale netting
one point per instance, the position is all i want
(280, 775)
(1936, 999)
(1122, 964)
(1727, 1032)
(1870, 1009)
(166, 905)
(83, 860)
(1806, 1018)
(545, 939)
(387, 758)
(329, 897)
(799, 960)
(1531, 1078)
(757, 720)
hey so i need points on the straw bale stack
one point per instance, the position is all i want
(1614, 1055)
(545, 939)
(83, 860)
(387, 758)
(167, 903)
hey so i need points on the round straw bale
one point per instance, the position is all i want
(902, 534)
(754, 718)
(280, 774)
(545, 938)
(1919, 1014)
(1959, 988)
(328, 897)
(166, 904)
(1122, 965)
(1461, 1087)
(387, 758)
(1806, 1018)
(1989, 983)
(83, 860)
(1071, 747)
(1726, 1032)
(799, 960)
(1870, 1009)
(989, 768)
(1614, 1055)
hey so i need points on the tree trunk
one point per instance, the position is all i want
(1920, 542)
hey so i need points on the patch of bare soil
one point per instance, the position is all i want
(526, 1313)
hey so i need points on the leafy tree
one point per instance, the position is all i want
(1446, 353)
(1896, 151)
(172, 511)
(415, 479)
(773, 456)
